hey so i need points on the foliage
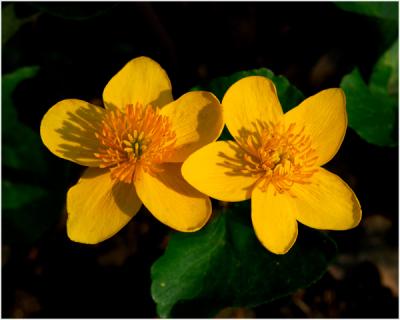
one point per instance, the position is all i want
(28, 209)
(17, 195)
(225, 265)
(383, 15)
(11, 23)
(22, 148)
(74, 11)
(384, 9)
(372, 109)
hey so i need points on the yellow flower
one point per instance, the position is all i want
(134, 147)
(276, 161)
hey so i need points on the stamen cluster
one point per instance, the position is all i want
(280, 157)
(140, 136)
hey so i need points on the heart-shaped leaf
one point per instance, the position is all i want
(372, 109)
(224, 264)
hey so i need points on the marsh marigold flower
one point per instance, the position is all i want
(134, 148)
(276, 161)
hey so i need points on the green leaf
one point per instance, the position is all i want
(384, 9)
(289, 95)
(23, 150)
(385, 76)
(224, 264)
(9, 83)
(17, 195)
(74, 11)
(11, 23)
(22, 147)
(383, 16)
(28, 211)
(372, 109)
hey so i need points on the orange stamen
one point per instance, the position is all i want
(285, 157)
(140, 136)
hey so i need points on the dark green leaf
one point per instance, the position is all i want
(372, 110)
(28, 211)
(289, 95)
(23, 150)
(11, 23)
(22, 147)
(224, 264)
(16, 195)
(8, 85)
(383, 17)
(74, 11)
(384, 9)
(385, 76)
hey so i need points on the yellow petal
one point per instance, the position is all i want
(172, 200)
(196, 119)
(99, 207)
(68, 130)
(250, 103)
(324, 118)
(218, 170)
(326, 203)
(274, 220)
(141, 80)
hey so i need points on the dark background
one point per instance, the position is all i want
(79, 47)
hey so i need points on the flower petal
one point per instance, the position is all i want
(274, 220)
(250, 103)
(326, 203)
(196, 119)
(99, 207)
(172, 200)
(218, 170)
(68, 130)
(141, 80)
(324, 118)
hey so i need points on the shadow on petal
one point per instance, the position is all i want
(239, 164)
(80, 128)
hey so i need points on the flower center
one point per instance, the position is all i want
(140, 136)
(281, 157)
